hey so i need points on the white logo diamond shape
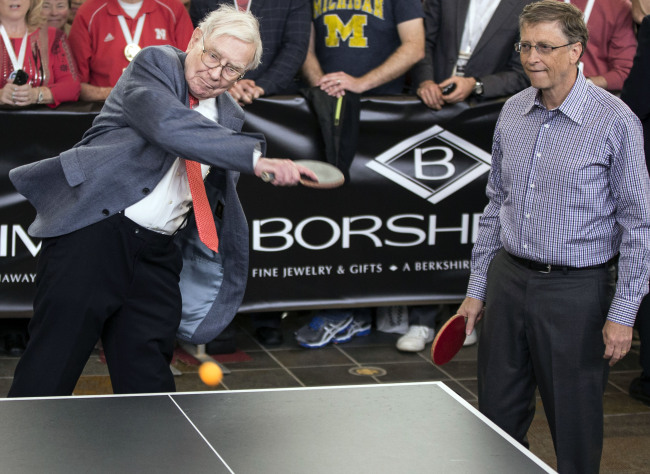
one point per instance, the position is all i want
(455, 163)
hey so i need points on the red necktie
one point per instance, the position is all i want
(242, 4)
(202, 211)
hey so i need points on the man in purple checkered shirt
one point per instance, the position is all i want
(569, 206)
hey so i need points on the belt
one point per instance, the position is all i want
(547, 267)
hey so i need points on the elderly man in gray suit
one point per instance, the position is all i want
(121, 258)
(470, 44)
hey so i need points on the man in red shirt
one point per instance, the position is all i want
(106, 34)
(612, 44)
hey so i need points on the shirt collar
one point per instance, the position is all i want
(115, 9)
(572, 106)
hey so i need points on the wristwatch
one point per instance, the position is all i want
(478, 87)
(40, 96)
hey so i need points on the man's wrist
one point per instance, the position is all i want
(478, 87)
(477, 286)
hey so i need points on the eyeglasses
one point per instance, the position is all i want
(542, 48)
(212, 60)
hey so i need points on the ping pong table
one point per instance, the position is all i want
(391, 428)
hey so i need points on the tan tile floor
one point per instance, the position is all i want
(627, 422)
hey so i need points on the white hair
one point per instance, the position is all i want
(230, 21)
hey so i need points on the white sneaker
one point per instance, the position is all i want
(471, 339)
(415, 339)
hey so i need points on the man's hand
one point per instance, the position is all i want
(245, 91)
(472, 309)
(336, 83)
(431, 94)
(464, 88)
(618, 340)
(285, 172)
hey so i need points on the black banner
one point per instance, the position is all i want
(400, 232)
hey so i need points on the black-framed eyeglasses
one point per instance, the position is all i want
(212, 60)
(542, 48)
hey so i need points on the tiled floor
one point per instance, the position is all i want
(374, 360)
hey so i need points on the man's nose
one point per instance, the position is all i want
(215, 72)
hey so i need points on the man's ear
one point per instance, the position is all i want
(196, 36)
(576, 52)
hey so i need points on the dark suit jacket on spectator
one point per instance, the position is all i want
(494, 59)
(284, 27)
(636, 90)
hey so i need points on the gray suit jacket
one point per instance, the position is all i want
(494, 59)
(144, 126)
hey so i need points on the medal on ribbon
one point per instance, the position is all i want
(130, 51)
(132, 47)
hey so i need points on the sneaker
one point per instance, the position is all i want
(357, 328)
(322, 329)
(415, 339)
(471, 339)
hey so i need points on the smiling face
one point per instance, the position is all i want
(12, 10)
(553, 73)
(204, 82)
(74, 6)
(55, 12)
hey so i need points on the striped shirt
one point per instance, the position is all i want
(569, 186)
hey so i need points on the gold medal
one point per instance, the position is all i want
(130, 51)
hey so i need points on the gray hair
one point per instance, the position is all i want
(229, 21)
(567, 15)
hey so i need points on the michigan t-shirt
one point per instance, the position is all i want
(356, 36)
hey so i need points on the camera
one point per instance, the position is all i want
(20, 78)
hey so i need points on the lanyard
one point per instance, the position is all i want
(127, 34)
(248, 7)
(588, 8)
(479, 14)
(17, 63)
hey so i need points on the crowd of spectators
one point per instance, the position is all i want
(357, 47)
(443, 51)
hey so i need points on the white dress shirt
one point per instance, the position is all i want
(164, 209)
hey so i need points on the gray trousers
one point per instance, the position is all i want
(545, 331)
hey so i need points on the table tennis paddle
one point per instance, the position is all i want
(449, 340)
(329, 176)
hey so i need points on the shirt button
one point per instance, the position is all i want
(105, 212)
(539, 155)
(546, 125)
(526, 246)
(532, 185)
(527, 216)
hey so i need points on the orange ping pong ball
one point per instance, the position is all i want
(210, 373)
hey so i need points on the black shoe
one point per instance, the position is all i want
(636, 391)
(224, 343)
(269, 336)
(14, 343)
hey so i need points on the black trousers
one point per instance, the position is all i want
(545, 331)
(112, 280)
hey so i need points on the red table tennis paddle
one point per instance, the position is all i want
(449, 340)
(329, 176)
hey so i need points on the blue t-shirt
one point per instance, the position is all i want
(356, 36)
